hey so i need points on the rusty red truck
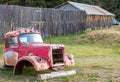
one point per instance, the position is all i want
(25, 47)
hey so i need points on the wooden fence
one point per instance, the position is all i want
(48, 21)
(54, 22)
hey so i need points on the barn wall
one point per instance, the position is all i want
(93, 21)
(98, 22)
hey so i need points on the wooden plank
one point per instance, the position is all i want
(55, 74)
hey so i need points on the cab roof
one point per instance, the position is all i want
(20, 31)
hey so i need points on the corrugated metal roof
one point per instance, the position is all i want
(90, 9)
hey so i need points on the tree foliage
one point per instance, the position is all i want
(110, 5)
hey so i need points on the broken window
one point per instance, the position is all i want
(13, 41)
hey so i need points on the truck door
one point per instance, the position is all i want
(11, 51)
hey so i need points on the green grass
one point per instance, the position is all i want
(1, 50)
(90, 50)
(89, 44)
(97, 58)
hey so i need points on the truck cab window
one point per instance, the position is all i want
(13, 41)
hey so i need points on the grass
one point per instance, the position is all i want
(96, 53)
(1, 50)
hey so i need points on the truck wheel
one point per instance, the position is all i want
(18, 69)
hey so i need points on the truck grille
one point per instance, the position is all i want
(57, 55)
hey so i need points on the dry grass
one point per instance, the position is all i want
(100, 69)
(105, 36)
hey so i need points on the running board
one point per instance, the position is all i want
(55, 74)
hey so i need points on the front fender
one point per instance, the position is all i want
(38, 64)
(69, 60)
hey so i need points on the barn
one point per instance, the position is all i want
(97, 17)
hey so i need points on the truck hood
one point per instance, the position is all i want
(39, 45)
(39, 49)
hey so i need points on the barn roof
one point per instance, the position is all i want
(90, 9)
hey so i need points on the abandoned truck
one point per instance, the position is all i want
(25, 47)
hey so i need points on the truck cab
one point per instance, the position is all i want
(25, 47)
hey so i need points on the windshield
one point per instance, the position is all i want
(29, 38)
